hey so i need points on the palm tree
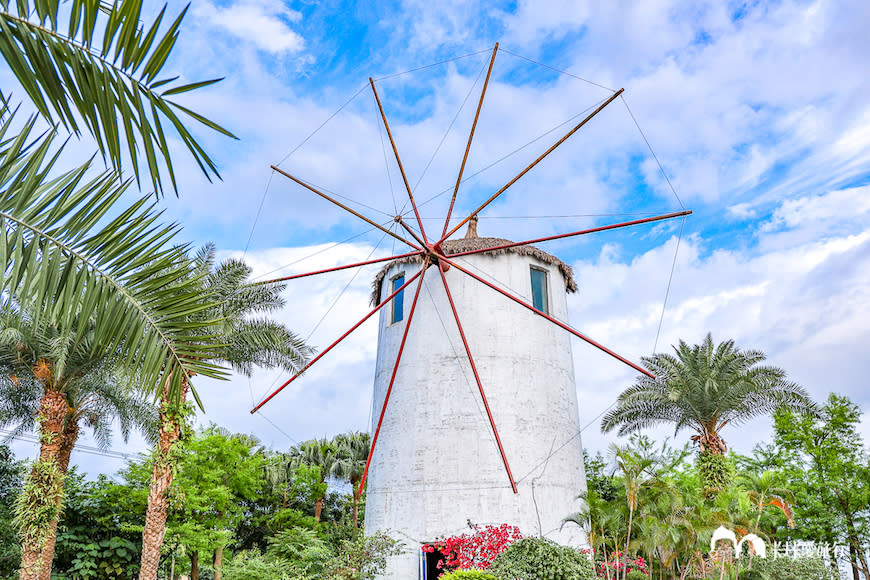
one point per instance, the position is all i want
(600, 520)
(323, 455)
(352, 452)
(639, 468)
(765, 490)
(233, 335)
(63, 245)
(704, 388)
(53, 382)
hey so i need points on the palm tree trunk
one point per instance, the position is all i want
(627, 541)
(68, 441)
(357, 494)
(318, 508)
(161, 480)
(42, 498)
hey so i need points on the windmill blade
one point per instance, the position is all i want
(331, 346)
(551, 319)
(422, 275)
(572, 234)
(507, 467)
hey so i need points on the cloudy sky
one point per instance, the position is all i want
(757, 112)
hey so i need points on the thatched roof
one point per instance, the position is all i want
(474, 243)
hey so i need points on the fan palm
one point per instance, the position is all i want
(93, 66)
(235, 333)
(54, 382)
(704, 388)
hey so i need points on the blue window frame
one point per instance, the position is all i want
(399, 299)
(539, 290)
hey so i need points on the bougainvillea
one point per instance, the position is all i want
(475, 550)
(613, 567)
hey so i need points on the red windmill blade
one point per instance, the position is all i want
(433, 254)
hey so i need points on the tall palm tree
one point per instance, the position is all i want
(64, 244)
(704, 388)
(237, 334)
(54, 382)
(352, 453)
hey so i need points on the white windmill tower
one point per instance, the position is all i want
(475, 408)
(444, 443)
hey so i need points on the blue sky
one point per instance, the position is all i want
(758, 112)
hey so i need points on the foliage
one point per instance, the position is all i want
(77, 260)
(827, 465)
(362, 558)
(618, 564)
(251, 565)
(597, 480)
(542, 559)
(785, 568)
(471, 574)
(39, 503)
(302, 549)
(476, 550)
(112, 558)
(102, 46)
(717, 470)
(100, 533)
(704, 388)
(11, 480)
(215, 470)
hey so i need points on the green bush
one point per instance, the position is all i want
(755, 573)
(636, 575)
(541, 559)
(467, 575)
(254, 566)
(785, 568)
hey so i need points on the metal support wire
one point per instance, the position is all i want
(613, 404)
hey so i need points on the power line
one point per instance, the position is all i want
(28, 438)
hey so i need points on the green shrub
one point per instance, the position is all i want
(541, 559)
(785, 568)
(755, 573)
(254, 566)
(467, 575)
(636, 575)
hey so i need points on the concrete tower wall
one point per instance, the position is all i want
(436, 464)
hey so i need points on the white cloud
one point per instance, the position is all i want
(806, 304)
(830, 208)
(261, 23)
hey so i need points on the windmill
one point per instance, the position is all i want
(433, 465)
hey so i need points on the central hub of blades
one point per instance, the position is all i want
(435, 255)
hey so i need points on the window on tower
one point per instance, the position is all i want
(398, 300)
(539, 290)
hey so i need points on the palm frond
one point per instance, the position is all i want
(705, 387)
(60, 247)
(100, 75)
